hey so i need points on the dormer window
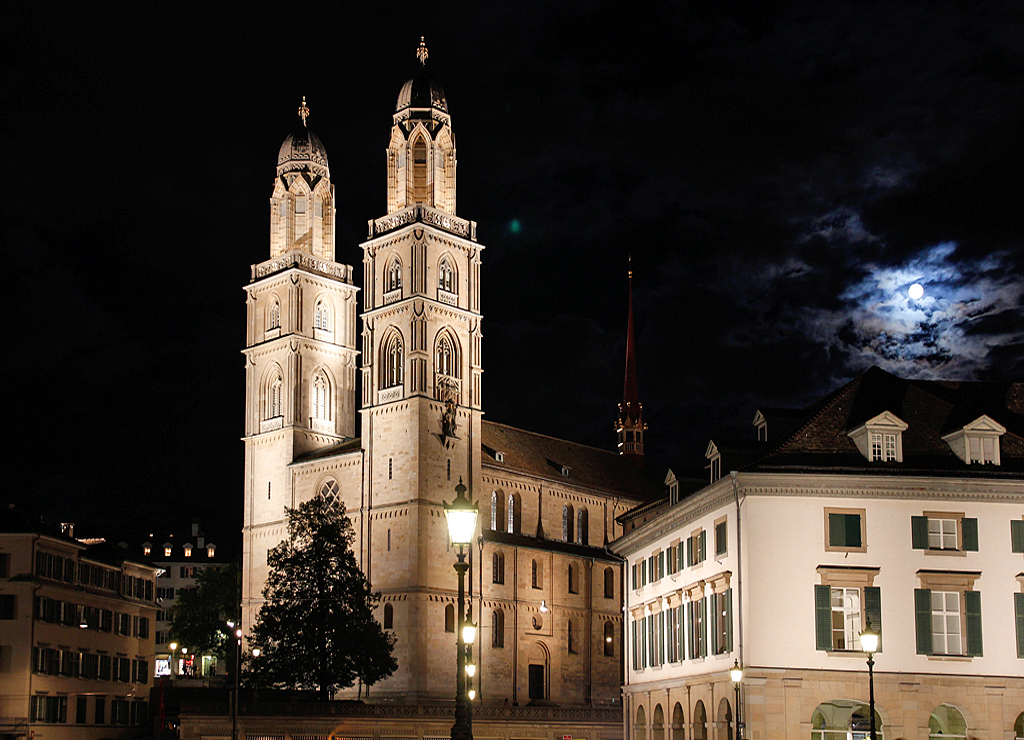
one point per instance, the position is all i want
(714, 457)
(565, 470)
(188, 551)
(167, 550)
(673, 487)
(210, 550)
(147, 549)
(880, 439)
(977, 443)
(761, 424)
(499, 457)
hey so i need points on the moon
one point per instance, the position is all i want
(916, 291)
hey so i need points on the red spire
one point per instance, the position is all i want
(630, 424)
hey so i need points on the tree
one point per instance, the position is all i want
(199, 617)
(316, 628)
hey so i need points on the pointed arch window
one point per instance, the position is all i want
(498, 567)
(322, 317)
(497, 510)
(321, 396)
(582, 527)
(273, 396)
(446, 276)
(498, 628)
(446, 358)
(449, 618)
(567, 523)
(515, 517)
(419, 171)
(274, 315)
(392, 360)
(393, 277)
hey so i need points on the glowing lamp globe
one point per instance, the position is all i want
(469, 632)
(869, 639)
(461, 516)
(736, 673)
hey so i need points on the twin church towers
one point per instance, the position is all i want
(419, 356)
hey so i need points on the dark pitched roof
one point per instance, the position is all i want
(930, 409)
(545, 457)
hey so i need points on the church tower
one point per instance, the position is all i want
(300, 355)
(421, 417)
(629, 426)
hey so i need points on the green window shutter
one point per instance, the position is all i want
(836, 530)
(873, 610)
(680, 631)
(919, 532)
(689, 630)
(703, 545)
(923, 620)
(689, 551)
(853, 530)
(1017, 535)
(1018, 608)
(661, 564)
(972, 606)
(728, 620)
(823, 617)
(703, 606)
(970, 532)
(714, 627)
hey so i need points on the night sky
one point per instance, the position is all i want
(781, 176)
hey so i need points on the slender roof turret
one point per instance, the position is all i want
(630, 423)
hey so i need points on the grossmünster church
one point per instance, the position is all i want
(544, 591)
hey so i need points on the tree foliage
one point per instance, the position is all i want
(316, 628)
(200, 615)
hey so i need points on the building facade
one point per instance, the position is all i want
(76, 635)
(545, 591)
(891, 501)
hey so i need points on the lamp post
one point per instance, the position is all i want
(461, 516)
(174, 657)
(869, 644)
(736, 673)
(238, 670)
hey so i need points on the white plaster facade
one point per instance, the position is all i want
(779, 557)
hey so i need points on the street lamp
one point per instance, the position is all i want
(736, 673)
(238, 670)
(869, 644)
(461, 516)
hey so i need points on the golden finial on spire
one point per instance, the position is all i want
(630, 265)
(421, 52)
(303, 111)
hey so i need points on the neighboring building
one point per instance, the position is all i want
(895, 501)
(550, 611)
(76, 635)
(180, 555)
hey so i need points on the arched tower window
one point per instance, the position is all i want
(389, 617)
(419, 172)
(392, 360)
(446, 357)
(321, 396)
(609, 583)
(573, 578)
(536, 575)
(322, 316)
(393, 277)
(274, 395)
(446, 276)
(609, 639)
(449, 618)
(582, 527)
(274, 314)
(567, 523)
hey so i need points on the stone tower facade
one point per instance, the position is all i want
(300, 355)
(421, 376)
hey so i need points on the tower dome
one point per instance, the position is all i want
(421, 91)
(302, 150)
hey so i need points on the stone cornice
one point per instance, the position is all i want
(305, 262)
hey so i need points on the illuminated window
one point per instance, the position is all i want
(321, 396)
(188, 551)
(167, 551)
(392, 356)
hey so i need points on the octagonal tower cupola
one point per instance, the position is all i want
(421, 154)
(302, 205)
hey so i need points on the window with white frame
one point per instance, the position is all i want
(977, 443)
(944, 532)
(948, 613)
(946, 623)
(845, 602)
(880, 439)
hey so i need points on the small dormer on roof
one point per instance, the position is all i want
(672, 484)
(168, 547)
(977, 443)
(761, 424)
(880, 439)
(211, 549)
(714, 457)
